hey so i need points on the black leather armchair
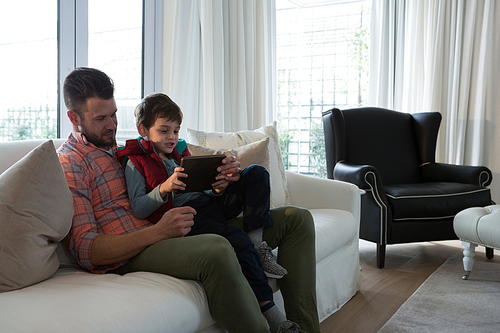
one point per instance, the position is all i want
(391, 155)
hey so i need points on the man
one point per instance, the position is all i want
(106, 237)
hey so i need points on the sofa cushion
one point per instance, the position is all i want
(13, 151)
(74, 300)
(221, 140)
(36, 209)
(254, 153)
(434, 200)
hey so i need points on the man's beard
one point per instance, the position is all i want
(99, 141)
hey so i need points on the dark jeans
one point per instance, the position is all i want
(249, 195)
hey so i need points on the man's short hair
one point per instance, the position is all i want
(154, 106)
(84, 83)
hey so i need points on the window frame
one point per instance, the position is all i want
(72, 40)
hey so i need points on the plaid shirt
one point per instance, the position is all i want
(100, 198)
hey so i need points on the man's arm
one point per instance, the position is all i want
(112, 249)
(109, 248)
(83, 230)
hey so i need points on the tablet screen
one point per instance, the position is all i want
(201, 171)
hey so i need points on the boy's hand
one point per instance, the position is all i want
(229, 170)
(173, 182)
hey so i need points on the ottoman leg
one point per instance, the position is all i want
(469, 252)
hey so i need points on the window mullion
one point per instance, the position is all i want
(152, 79)
(81, 25)
(73, 50)
(67, 55)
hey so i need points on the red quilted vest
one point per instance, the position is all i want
(154, 170)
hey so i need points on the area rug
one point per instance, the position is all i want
(446, 303)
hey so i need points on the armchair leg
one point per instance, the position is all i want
(380, 256)
(489, 253)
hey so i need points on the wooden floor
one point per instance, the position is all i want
(383, 291)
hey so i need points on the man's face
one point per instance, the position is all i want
(99, 122)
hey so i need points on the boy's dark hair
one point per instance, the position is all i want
(83, 83)
(154, 106)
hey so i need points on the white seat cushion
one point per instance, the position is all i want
(334, 229)
(480, 225)
(135, 302)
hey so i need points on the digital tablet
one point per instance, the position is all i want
(201, 171)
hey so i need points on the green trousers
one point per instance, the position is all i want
(211, 260)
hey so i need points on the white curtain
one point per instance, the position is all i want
(223, 63)
(439, 55)
(386, 53)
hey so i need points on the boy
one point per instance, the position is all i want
(153, 176)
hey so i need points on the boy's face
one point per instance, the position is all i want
(164, 134)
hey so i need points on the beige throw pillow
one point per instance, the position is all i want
(253, 153)
(36, 211)
(221, 140)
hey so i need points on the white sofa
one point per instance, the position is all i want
(74, 300)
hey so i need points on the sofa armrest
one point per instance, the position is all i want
(318, 193)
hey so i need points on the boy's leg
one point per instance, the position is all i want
(210, 220)
(293, 233)
(211, 260)
(249, 195)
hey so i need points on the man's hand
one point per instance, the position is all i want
(229, 170)
(176, 222)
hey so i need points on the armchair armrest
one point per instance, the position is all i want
(353, 173)
(318, 193)
(477, 175)
(364, 176)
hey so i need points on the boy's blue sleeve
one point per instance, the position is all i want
(143, 203)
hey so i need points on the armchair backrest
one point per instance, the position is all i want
(393, 142)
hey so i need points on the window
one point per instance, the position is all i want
(62, 35)
(115, 47)
(322, 62)
(28, 70)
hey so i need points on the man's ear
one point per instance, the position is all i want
(74, 118)
(143, 131)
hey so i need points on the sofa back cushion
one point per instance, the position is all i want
(36, 209)
(13, 151)
(230, 140)
(253, 153)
